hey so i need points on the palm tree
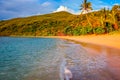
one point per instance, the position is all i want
(86, 7)
(116, 8)
(103, 18)
(113, 19)
(113, 14)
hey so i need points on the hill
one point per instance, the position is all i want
(58, 24)
(48, 24)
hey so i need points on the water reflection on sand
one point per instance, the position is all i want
(92, 62)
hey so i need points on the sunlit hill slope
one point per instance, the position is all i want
(61, 23)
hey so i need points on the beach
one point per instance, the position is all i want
(108, 40)
(107, 45)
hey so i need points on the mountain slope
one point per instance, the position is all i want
(36, 25)
(60, 23)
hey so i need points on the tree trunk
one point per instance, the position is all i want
(88, 20)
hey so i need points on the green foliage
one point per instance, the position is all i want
(83, 31)
(68, 30)
(77, 31)
(109, 27)
(89, 30)
(99, 30)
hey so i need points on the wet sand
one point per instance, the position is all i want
(103, 54)
(93, 62)
(110, 56)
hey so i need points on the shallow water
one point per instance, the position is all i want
(29, 58)
(93, 62)
(44, 59)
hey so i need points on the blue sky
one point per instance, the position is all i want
(22, 8)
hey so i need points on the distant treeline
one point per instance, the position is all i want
(63, 23)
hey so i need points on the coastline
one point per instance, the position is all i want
(107, 46)
(111, 41)
(108, 40)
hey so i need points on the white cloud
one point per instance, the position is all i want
(45, 4)
(64, 8)
(116, 4)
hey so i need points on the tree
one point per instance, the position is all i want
(113, 13)
(116, 8)
(103, 18)
(86, 7)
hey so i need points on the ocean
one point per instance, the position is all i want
(45, 59)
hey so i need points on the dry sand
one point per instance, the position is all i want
(108, 40)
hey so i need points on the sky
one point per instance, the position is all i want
(23, 8)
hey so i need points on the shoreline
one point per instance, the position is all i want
(107, 40)
(110, 41)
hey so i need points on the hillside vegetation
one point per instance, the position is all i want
(42, 25)
(62, 23)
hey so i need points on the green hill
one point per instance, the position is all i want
(41, 25)
(58, 24)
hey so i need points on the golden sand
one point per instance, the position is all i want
(108, 40)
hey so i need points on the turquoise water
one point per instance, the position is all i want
(29, 58)
(45, 59)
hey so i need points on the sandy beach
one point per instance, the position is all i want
(108, 45)
(96, 45)
(107, 40)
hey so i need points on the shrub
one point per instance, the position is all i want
(3, 29)
(77, 31)
(89, 29)
(83, 31)
(68, 30)
(109, 27)
(99, 30)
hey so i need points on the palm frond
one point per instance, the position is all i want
(86, 6)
